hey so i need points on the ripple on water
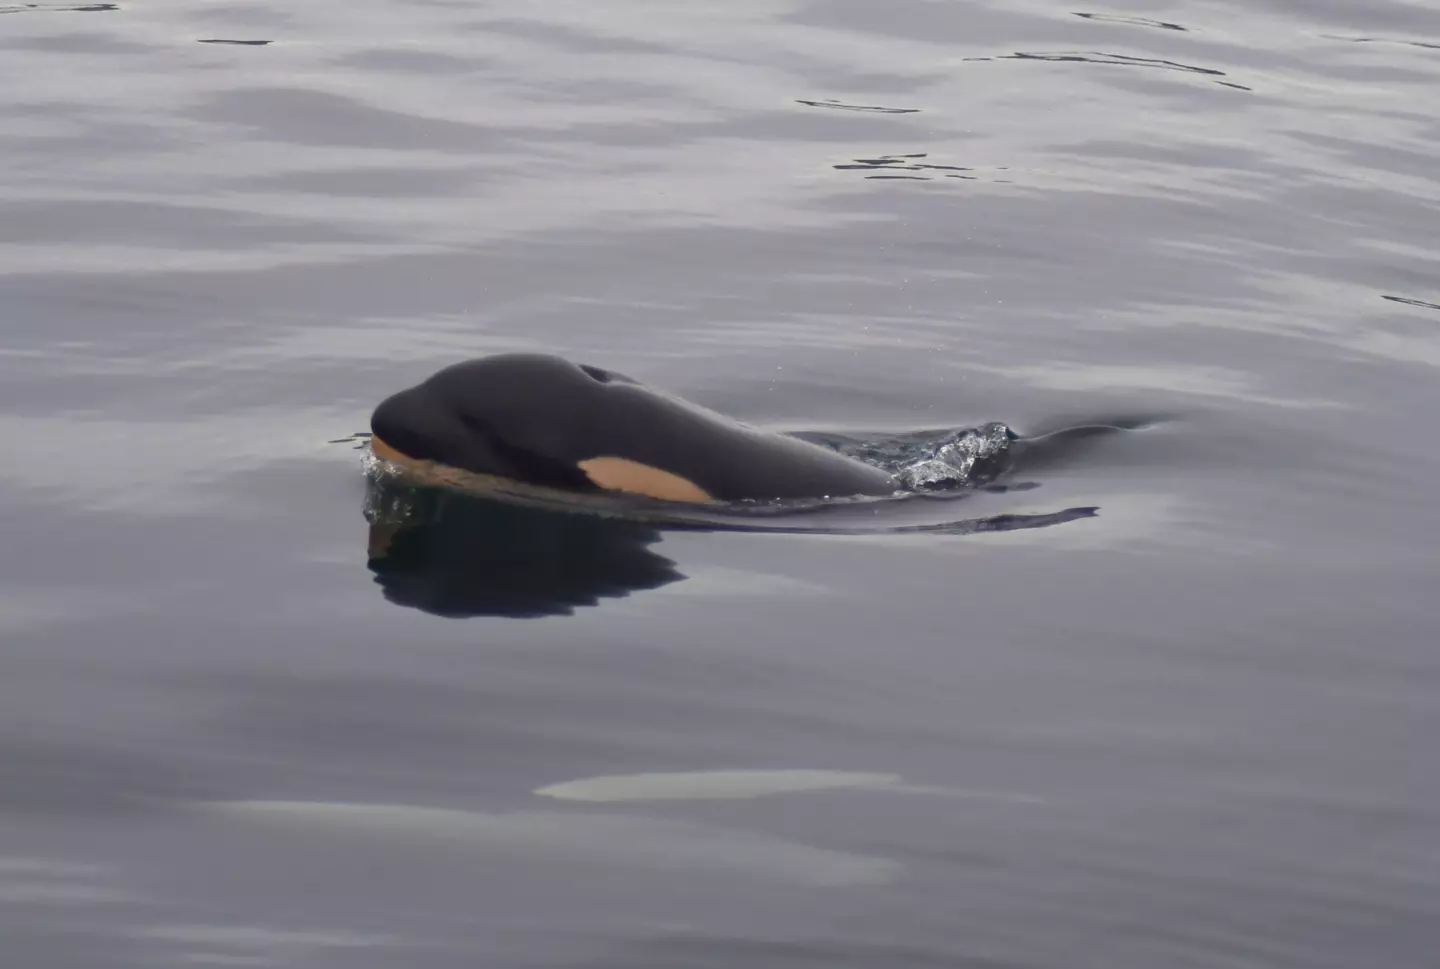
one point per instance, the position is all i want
(862, 108)
(58, 7)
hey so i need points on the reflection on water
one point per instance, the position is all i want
(713, 785)
(689, 847)
(456, 555)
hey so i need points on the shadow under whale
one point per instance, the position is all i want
(457, 555)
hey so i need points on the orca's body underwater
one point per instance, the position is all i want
(542, 420)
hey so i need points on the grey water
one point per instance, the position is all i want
(1163, 697)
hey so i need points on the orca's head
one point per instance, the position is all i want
(518, 416)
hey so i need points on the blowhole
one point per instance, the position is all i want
(595, 373)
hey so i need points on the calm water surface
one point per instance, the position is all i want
(1190, 730)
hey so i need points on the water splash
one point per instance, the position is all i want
(386, 505)
(954, 463)
(932, 460)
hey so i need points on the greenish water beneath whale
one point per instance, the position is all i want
(1153, 690)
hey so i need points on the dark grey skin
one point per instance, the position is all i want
(534, 417)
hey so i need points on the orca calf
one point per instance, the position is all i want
(541, 420)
